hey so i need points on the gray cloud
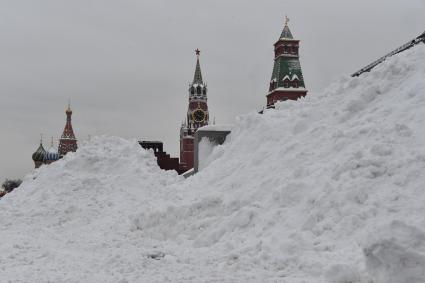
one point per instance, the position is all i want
(126, 64)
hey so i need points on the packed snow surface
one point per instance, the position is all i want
(329, 188)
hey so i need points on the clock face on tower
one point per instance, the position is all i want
(198, 115)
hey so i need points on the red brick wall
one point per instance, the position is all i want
(291, 45)
(187, 153)
(284, 95)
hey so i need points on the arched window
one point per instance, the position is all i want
(286, 49)
(295, 83)
(286, 83)
(204, 91)
(198, 89)
(192, 90)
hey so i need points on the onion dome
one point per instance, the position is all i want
(39, 154)
(51, 154)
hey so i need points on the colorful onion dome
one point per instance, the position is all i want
(52, 154)
(39, 154)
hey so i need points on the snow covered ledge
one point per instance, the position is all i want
(216, 134)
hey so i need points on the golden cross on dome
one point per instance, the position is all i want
(286, 20)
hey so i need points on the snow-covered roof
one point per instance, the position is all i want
(217, 128)
(289, 89)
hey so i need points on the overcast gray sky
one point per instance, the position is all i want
(126, 64)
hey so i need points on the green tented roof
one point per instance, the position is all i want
(287, 66)
(286, 33)
(197, 78)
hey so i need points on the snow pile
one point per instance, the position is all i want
(69, 221)
(325, 189)
(205, 148)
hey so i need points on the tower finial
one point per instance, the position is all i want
(286, 20)
(68, 110)
(197, 52)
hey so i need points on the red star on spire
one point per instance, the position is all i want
(197, 51)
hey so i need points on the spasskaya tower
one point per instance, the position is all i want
(197, 116)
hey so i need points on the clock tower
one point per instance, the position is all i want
(197, 116)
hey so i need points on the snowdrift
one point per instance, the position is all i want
(69, 221)
(326, 189)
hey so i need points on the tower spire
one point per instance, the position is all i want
(197, 78)
(67, 142)
(286, 32)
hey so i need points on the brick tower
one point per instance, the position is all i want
(287, 80)
(67, 142)
(197, 116)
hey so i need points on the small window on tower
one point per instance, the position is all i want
(286, 83)
(204, 91)
(192, 90)
(199, 89)
(295, 84)
(279, 50)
